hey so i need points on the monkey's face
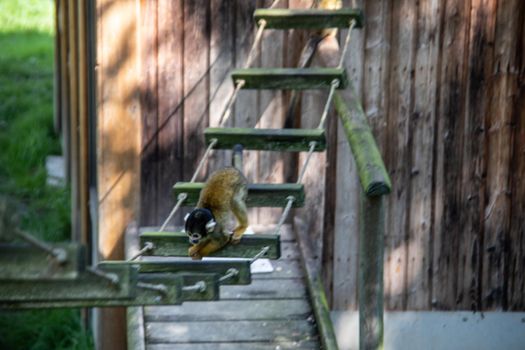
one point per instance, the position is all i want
(199, 223)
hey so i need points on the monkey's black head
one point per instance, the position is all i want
(199, 223)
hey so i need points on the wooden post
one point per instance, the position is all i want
(371, 273)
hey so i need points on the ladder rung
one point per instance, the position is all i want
(176, 244)
(220, 267)
(288, 140)
(259, 195)
(309, 19)
(290, 78)
(173, 295)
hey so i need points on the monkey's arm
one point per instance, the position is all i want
(194, 250)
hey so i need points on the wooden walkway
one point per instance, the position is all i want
(274, 312)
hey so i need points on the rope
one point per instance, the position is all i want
(111, 277)
(260, 254)
(58, 254)
(161, 288)
(347, 42)
(147, 247)
(197, 287)
(231, 273)
(226, 114)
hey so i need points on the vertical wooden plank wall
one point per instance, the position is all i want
(187, 51)
(441, 82)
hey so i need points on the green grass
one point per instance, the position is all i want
(26, 138)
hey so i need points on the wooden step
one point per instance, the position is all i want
(290, 78)
(309, 19)
(284, 140)
(176, 244)
(259, 195)
(219, 267)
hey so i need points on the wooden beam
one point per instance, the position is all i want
(290, 78)
(176, 244)
(145, 294)
(21, 262)
(284, 140)
(259, 195)
(309, 18)
(372, 172)
(87, 286)
(220, 268)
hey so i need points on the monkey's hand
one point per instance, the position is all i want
(194, 253)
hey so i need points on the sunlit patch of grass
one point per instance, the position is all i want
(19, 15)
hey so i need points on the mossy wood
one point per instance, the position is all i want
(309, 19)
(176, 244)
(372, 172)
(287, 140)
(87, 286)
(259, 195)
(173, 282)
(290, 78)
(218, 267)
(20, 262)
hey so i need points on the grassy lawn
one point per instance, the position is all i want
(26, 138)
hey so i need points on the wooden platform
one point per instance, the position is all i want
(274, 312)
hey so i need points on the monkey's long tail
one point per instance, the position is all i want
(237, 157)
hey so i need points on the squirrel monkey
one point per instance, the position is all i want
(224, 192)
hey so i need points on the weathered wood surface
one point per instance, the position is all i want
(259, 195)
(290, 78)
(219, 331)
(307, 345)
(23, 262)
(176, 244)
(308, 19)
(272, 312)
(285, 140)
(231, 310)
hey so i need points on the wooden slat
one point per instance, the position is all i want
(505, 78)
(218, 331)
(196, 81)
(176, 244)
(423, 123)
(231, 310)
(401, 57)
(290, 78)
(23, 262)
(174, 295)
(259, 195)
(266, 289)
(306, 345)
(219, 267)
(308, 19)
(448, 163)
(288, 140)
(169, 164)
(473, 196)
